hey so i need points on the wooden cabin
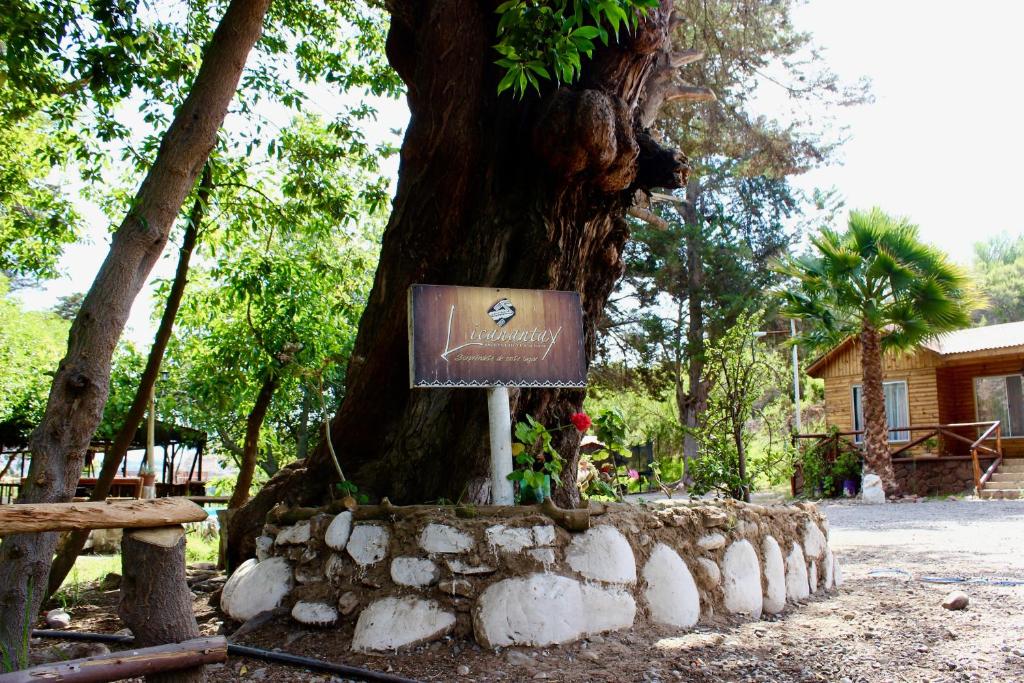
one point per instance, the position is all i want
(942, 400)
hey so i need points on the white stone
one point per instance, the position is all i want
(441, 538)
(58, 619)
(871, 490)
(606, 609)
(368, 543)
(390, 623)
(335, 566)
(814, 540)
(545, 556)
(812, 576)
(538, 609)
(338, 531)
(837, 573)
(264, 544)
(509, 539)
(671, 592)
(741, 580)
(797, 586)
(711, 542)
(256, 587)
(829, 563)
(603, 554)
(775, 576)
(544, 534)
(414, 571)
(314, 613)
(460, 567)
(294, 535)
(710, 570)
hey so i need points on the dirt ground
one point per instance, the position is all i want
(884, 624)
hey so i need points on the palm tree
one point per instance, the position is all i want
(879, 282)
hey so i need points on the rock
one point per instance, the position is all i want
(309, 573)
(264, 546)
(517, 658)
(797, 586)
(338, 531)
(392, 622)
(713, 517)
(775, 576)
(314, 613)
(603, 554)
(509, 540)
(741, 580)
(812, 577)
(606, 609)
(538, 609)
(871, 489)
(441, 538)
(956, 600)
(710, 570)
(460, 567)
(294, 535)
(368, 544)
(414, 571)
(111, 581)
(58, 619)
(348, 603)
(671, 592)
(837, 574)
(544, 534)
(105, 541)
(462, 670)
(814, 540)
(545, 556)
(256, 587)
(459, 587)
(711, 542)
(829, 563)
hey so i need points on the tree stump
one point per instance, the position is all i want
(156, 603)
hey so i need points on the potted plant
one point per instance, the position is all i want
(538, 462)
(847, 469)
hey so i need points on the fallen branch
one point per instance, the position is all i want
(109, 514)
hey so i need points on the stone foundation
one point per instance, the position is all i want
(522, 580)
(937, 476)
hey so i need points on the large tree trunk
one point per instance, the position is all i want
(492, 191)
(80, 386)
(251, 447)
(71, 544)
(876, 428)
(692, 400)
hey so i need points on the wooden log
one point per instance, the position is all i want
(108, 514)
(128, 664)
(571, 520)
(156, 603)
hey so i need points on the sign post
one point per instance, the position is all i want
(464, 337)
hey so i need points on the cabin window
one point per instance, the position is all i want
(897, 411)
(1001, 398)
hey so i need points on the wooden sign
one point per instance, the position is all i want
(484, 337)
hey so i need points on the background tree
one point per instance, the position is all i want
(998, 270)
(878, 283)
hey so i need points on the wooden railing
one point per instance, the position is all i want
(948, 432)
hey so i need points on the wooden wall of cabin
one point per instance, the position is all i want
(918, 370)
(956, 392)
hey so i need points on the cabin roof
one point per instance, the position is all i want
(948, 345)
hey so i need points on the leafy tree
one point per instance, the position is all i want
(879, 283)
(999, 272)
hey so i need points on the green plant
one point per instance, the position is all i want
(847, 464)
(931, 444)
(348, 488)
(535, 455)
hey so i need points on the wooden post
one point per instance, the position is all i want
(501, 445)
(977, 471)
(156, 603)
(999, 439)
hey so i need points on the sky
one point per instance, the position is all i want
(941, 143)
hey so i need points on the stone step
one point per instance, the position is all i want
(1000, 493)
(1009, 477)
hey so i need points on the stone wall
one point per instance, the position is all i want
(936, 476)
(522, 580)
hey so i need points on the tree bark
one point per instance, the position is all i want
(156, 603)
(692, 400)
(876, 427)
(251, 447)
(81, 383)
(71, 545)
(492, 191)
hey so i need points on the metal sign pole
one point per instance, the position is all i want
(501, 445)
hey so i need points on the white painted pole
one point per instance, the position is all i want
(501, 445)
(796, 375)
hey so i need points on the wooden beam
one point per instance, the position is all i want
(110, 514)
(127, 664)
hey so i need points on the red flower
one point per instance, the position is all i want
(581, 420)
